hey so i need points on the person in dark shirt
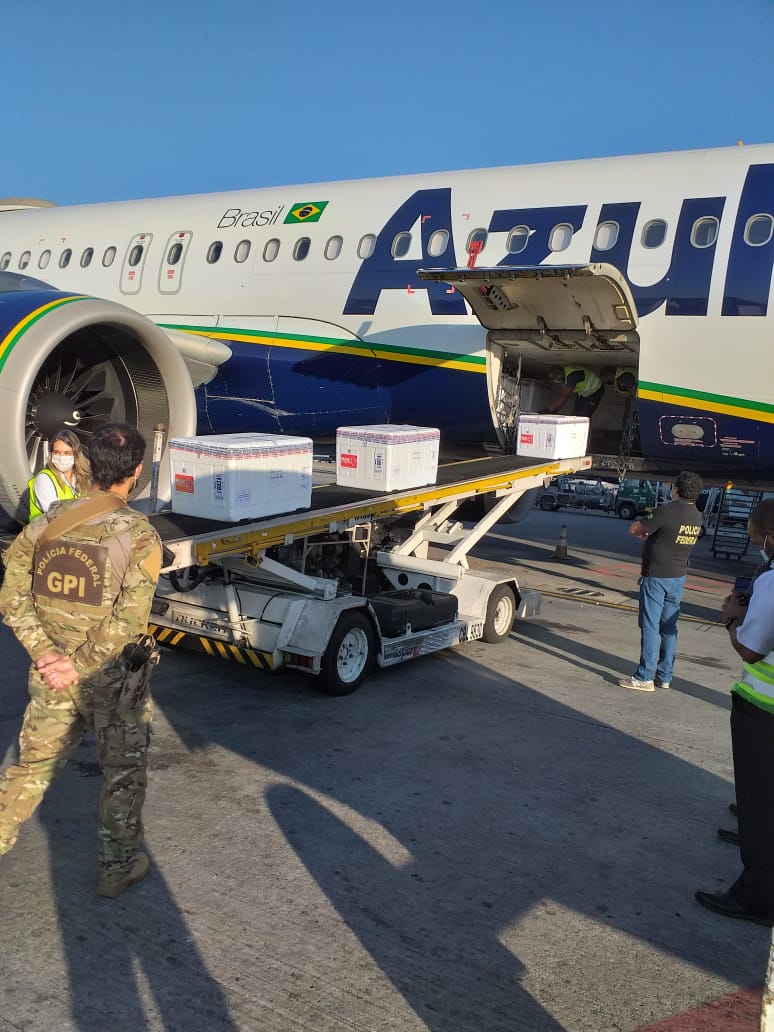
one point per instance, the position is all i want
(669, 536)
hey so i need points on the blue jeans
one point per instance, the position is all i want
(659, 609)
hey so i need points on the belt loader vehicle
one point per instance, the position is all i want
(346, 585)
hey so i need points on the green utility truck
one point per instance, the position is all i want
(637, 497)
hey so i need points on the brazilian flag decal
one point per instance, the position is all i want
(307, 211)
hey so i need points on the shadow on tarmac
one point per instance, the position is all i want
(136, 951)
(500, 825)
(498, 822)
(541, 638)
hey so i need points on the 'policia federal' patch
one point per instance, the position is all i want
(70, 571)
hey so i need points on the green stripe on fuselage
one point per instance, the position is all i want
(345, 345)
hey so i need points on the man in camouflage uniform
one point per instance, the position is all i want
(74, 603)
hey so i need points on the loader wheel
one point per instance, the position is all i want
(349, 654)
(500, 614)
(548, 504)
(627, 511)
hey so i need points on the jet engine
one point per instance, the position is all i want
(76, 361)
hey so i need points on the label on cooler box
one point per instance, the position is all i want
(527, 438)
(184, 484)
(348, 461)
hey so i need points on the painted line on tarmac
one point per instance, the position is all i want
(597, 598)
(738, 1012)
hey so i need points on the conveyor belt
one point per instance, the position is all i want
(336, 507)
(172, 526)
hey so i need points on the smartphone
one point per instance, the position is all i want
(742, 586)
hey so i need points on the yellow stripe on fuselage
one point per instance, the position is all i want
(267, 340)
(706, 405)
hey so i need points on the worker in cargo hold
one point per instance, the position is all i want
(77, 594)
(624, 380)
(581, 384)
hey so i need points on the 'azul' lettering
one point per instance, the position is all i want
(431, 210)
(685, 285)
(684, 289)
(748, 278)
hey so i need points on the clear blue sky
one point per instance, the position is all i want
(104, 100)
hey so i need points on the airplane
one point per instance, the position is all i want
(440, 299)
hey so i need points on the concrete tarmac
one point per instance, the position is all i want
(490, 839)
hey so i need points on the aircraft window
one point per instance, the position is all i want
(214, 251)
(438, 243)
(401, 245)
(759, 230)
(173, 254)
(367, 246)
(704, 232)
(333, 248)
(477, 236)
(271, 250)
(109, 257)
(24, 259)
(86, 257)
(45, 258)
(64, 258)
(654, 233)
(561, 237)
(606, 236)
(242, 251)
(301, 250)
(518, 238)
(135, 255)
(5, 261)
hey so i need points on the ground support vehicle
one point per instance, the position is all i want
(347, 584)
(567, 492)
(638, 497)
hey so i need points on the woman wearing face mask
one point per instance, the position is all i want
(751, 630)
(65, 476)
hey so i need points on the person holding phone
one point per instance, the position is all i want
(751, 631)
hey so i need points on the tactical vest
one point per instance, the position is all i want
(76, 578)
(589, 385)
(63, 491)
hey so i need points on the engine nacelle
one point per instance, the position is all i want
(75, 361)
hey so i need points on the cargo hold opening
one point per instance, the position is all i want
(542, 316)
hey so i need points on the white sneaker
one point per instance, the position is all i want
(636, 684)
(662, 684)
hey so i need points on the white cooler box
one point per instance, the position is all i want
(232, 477)
(389, 457)
(552, 437)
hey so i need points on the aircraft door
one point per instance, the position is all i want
(134, 263)
(538, 316)
(173, 261)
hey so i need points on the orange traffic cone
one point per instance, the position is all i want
(560, 552)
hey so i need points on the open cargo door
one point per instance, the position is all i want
(539, 316)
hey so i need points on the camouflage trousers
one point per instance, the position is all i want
(54, 723)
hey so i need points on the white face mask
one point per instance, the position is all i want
(63, 463)
(764, 554)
